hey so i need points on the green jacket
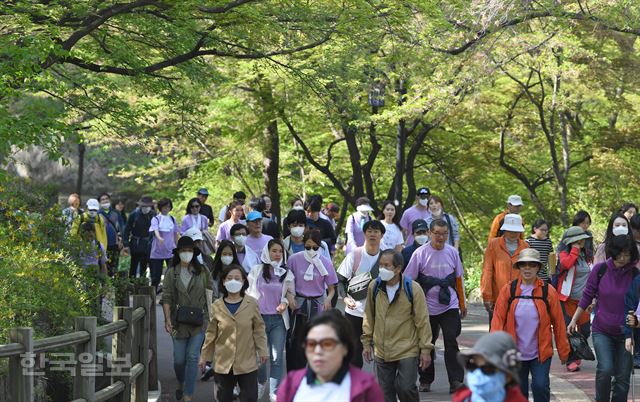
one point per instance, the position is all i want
(175, 294)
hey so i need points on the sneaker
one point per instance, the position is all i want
(208, 373)
(179, 394)
(261, 388)
(573, 367)
(424, 387)
(454, 386)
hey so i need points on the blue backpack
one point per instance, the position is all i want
(406, 285)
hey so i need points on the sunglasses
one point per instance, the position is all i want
(316, 248)
(486, 369)
(326, 344)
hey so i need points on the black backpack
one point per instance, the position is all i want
(544, 297)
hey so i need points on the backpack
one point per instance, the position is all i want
(406, 285)
(544, 297)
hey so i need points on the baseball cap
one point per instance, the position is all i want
(203, 191)
(194, 233)
(424, 191)
(253, 216)
(419, 224)
(93, 204)
(515, 200)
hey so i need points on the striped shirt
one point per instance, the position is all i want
(544, 247)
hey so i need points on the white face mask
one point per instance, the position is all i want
(226, 259)
(423, 202)
(298, 208)
(145, 210)
(186, 256)
(240, 240)
(93, 214)
(620, 231)
(422, 239)
(311, 254)
(105, 205)
(385, 274)
(297, 231)
(233, 286)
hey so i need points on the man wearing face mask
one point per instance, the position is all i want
(137, 239)
(246, 256)
(314, 221)
(396, 330)
(420, 231)
(198, 239)
(419, 211)
(92, 216)
(437, 268)
(297, 221)
(355, 224)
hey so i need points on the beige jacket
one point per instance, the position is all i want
(237, 339)
(398, 330)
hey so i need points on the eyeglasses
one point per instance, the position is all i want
(486, 369)
(326, 344)
(315, 248)
(445, 234)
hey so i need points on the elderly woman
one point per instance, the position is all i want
(329, 346)
(492, 370)
(528, 308)
(609, 281)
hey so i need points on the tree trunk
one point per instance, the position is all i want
(401, 141)
(271, 147)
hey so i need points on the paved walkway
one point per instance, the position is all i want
(564, 386)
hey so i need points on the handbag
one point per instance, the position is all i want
(193, 316)
(580, 347)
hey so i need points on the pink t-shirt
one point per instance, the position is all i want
(257, 243)
(270, 293)
(409, 216)
(527, 321)
(315, 287)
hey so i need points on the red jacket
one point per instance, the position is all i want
(513, 395)
(364, 387)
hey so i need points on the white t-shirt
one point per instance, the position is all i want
(346, 269)
(392, 236)
(327, 392)
(391, 291)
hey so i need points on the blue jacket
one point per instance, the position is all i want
(115, 225)
(408, 251)
(631, 299)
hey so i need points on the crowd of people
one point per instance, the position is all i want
(266, 309)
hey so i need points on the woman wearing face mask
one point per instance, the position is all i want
(193, 218)
(492, 368)
(609, 281)
(393, 239)
(437, 212)
(618, 226)
(236, 209)
(313, 274)
(296, 205)
(246, 256)
(165, 231)
(294, 243)
(355, 224)
(528, 309)
(184, 289)
(271, 283)
(236, 334)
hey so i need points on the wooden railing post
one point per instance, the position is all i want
(142, 343)
(85, 356)
(21, 383)
(121, 352)
(150, 291)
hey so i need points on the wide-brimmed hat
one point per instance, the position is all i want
(499, 349)
(512, 223)
(145, 201)
(515, 200)
(528, 255)
(574, 234)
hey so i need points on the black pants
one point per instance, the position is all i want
(155, 264)
(356, 323)
(451, 326)
(141, 258)
(248, 384)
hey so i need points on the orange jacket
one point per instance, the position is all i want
(497, 223)
(504, 320)
(497, 269)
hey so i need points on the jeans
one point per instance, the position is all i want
(613, 361)
(248, 384)
(398, 379)
(356, 323)
(276, 337)
(186, 352)
(451, 326)
(155, 264)
(141, 258)
(540, 384)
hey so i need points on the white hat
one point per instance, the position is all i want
(364, 208)
(194, 233)
(93, 204)
(515, 200)
(512, 223)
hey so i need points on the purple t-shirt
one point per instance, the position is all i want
(316, 287)
(527, 321)
(270, 293)
(257, 243)
(224, 230)
(164, 250)
(199, 221)
(409, 216)
(439, 264)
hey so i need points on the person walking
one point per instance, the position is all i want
(246, 256)
(539, 240)
(72, 211)
(91, 215)
(115, 227)
(492, 370)
(256, 239)
(437, 268)
(529, 309)
(395, 331)
(329, 344)
(313, 207)
(354, 274)
(609, 282)
(393, 238)
(618, 226)
(355, 224)
(185, 307)
(294, 242)
(272, 284)
(436, 207)
(224, 230)
(420, 231)
(165, 231)
(202, 196)
(420, 210)
(236, 334)
(137, 238)
(193, 218)
(499, 257)
(514, 206)
(572, 279)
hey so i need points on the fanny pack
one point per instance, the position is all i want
(189, 315)
(358, 286)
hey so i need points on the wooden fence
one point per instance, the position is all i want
(134, 344)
